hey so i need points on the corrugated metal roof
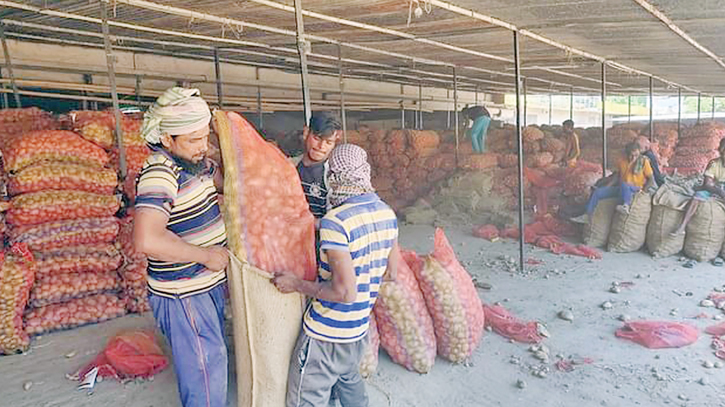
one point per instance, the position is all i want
(618, 30)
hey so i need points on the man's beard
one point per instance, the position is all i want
(190, 166)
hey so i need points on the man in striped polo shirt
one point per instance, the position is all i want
(358, 244)
(179, 226)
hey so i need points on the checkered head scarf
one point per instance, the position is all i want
(177, 111)
(349, 173)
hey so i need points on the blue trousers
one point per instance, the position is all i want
(194, 327)
(625, 192)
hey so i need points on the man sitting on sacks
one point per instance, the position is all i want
(358, 246)
(633, 173)
(179, 226)
(713, 186)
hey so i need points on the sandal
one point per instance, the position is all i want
(689, 264)
(718, 262)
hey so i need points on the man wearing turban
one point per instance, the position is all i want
(178, 225)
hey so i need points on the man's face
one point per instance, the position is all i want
(634, 154)
(568, 129)
(721, 149)
(191, 147)
(317, 148)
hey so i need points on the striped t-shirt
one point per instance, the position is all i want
(367, 228)
(190, 202)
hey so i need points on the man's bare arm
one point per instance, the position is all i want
(342, 288)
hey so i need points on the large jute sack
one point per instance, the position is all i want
(596, 232)
(662, 222)
(706, 231)
(629, 231)
(266, 322)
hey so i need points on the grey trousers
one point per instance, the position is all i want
(318, 369)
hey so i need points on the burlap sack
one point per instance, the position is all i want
(706, 231)
(596, 232)
(629, 231)
(662, 222)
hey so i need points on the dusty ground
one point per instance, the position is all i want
(623, 373)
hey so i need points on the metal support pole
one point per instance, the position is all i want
(629, 109)
(476, 97)
(6, 104)
(455, 110)
(402, 107)
(604, 119)
(699, 100)
(519, 147)
(420, 106)
(550, 106)
(571, 103)
(260, 114)
(526, 107)
(111, 62)
(302, 50)
(713, 108)
(9, 64)
(679, 113)
(218, 73)
(138, 89)
(342, 94)
(651, 110)
(88, 80)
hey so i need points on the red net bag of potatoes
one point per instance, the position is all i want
(76, 232)
(98, 258)
(422, 140)
(539, 160)
(63, 176)
(135, 158)
(452, 301)
(369, 361)
(17, 275)
(406, 328)
(269, 211)
(74, 313)
(52, 145)
(55, 288)
(98, 127)
(531, 134)
(51, 206)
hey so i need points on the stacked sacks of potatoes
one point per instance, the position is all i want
(665, 141)
(63, 208)
(16, 122)
(17, 275)
(133, 272)
(697, 147)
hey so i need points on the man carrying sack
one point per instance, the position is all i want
(357, 241)
(178, 225)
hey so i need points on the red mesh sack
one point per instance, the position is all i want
(135, 158)
(53, 145)
(508, 326)
(74, 313)
(51, 206)
(488, 232)
(63, 176)
(405, 327)
(52, 289)
(452, 301)
(99, 128)
(54, 235)
(17, 275)
(369, 361)
(531, 133)
(658, 334)
(267, 209)
(96, 258)
(539, 160)
(127, 356)
(478, 161)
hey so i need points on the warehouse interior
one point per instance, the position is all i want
(398, 73)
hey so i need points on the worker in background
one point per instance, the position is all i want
(358, 245)
(713, 186)
(481, 121)
(633, 174)
(572, 150)
(179, 226)
(319, 138)
(646, 147)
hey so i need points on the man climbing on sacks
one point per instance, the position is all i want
(358, 245)
(319, 138)
(178, 225)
